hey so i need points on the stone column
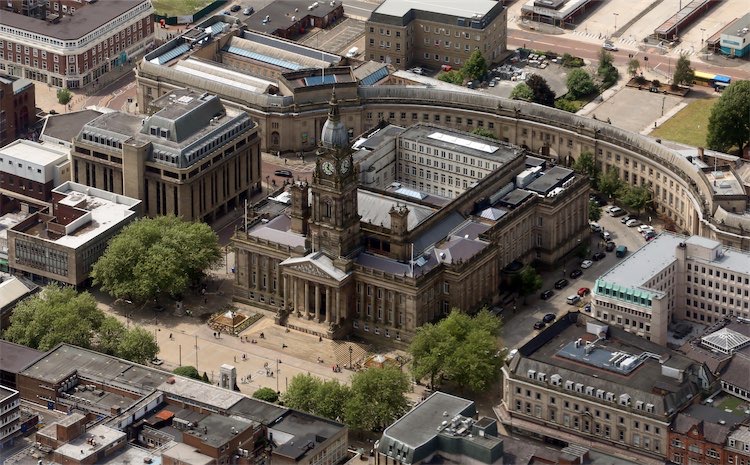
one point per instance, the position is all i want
(286, 291)
(307, 299)
(392, 315)
(295, 295)
(277, 291)
(329, 307)
(338, 307)
(317, 303)
(363, 302)
(258, 276)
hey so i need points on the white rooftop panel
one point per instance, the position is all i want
(464, 9)
(464, 142)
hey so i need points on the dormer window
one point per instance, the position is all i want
(154, 131)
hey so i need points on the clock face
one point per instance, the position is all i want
(345, 165)
(328, 168)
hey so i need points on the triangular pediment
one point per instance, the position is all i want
(315, 264)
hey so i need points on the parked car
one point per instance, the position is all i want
(573, 299)
(586, 264)
(546, 294)
(576, 273)
(609, 47)
(283, 173)
(605, 235)
(610, 246)
(645, 227)
(235, 8)
(587, 308)
(632, 223)
(649, 235)
(625, 219)
(598, 256)
(446, 68)
(418, 70)
(493, 83)
(353, 52)
(549, 318)
(157, 361)
(248, 11)
(621, 251)
(595, 227)
(539, 325)
(617, 211)
(561, 283)
(584, 291)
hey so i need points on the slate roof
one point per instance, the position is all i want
(737, 372)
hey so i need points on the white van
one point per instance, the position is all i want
(353, 52)
(573, 299)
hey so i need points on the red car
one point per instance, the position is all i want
(584, 291)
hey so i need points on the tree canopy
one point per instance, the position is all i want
(541, 92)
(377, 399)
(187, 371)
(635, 197)
(683, 73)
(522, 91)
(64, 96)
(585, 164)
(729, 123)
(54, 315)
(475, 67)
(453, 77)
(527, 282)
(484, 133)
(595, 212)
(463, 348)
(610, 183)
(580, 84)
(267, 394)
(62, 315)
(156, 255)
(633, 66)
(300, 393)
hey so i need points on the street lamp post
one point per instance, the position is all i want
(616, 15)
(351, 349)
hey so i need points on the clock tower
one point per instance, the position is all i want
(334, 223)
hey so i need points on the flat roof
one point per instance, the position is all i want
(217, 430)
(725, 183)
(15, 357)
(281, 12)
(461, 142)
(298, 434)
(81, 448)
(182, 453)
(445, 7)
(560, 12)
(86, 19)
(6, 392)
(66, 126)
(737, 24)
(198, 391)
(729, 259)
(419, 426)
(34, 152)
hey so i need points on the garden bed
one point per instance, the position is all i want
(661, 88)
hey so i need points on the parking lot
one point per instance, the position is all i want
(519, 326)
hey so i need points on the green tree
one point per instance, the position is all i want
(300, 392)
(267, 394)
(475, 67)
(434, 349)
(110, 333)
(56, 314)
(729, 123)
(609, 75)
(484, 133)
(580, 84)
(610, 183)
(64, 96)
(595, 211)
(330, 399)
(156, 255)
(453, 77)
(569, 61)
(585, 164)
(377, 399)
(522, 91)
(187, 371)
(566, 105)
(527, 282)
(683, 73)
(138, 345)
(605, 58)
(541, 92)
(633, 66)
(635, 197)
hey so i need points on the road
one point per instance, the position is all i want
(559, 44)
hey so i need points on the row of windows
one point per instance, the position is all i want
(718, 273)
(41, 257)
(426, 117)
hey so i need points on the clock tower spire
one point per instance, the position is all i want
(334, 226)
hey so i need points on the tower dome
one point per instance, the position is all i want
(334, 134)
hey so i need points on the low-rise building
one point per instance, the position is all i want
(673, 277)
(17, 107)
(14, 358)
(735, 38)
(738, 446)
(28, 173)
(292, 18)
(63, 243)
(583, 382)
(193, 157)
(699, 434)
(10, 416)
(12, 291)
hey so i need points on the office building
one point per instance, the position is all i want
(735, 40)
(583, 382)
(193, 157)
(291, 18)
(10, 415)
(673, 278)
(62, 243)
(71, 45)
(404, 33)
(17, 107)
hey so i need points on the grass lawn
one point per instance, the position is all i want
(179, 7)
(689, 125)
(730, 403)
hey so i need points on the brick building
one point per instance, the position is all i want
(737, 450)
(71, 43)
(28, 173)
(17, 107)
(698, 435)
(292, 18)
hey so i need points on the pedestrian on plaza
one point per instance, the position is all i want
(235, 359)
